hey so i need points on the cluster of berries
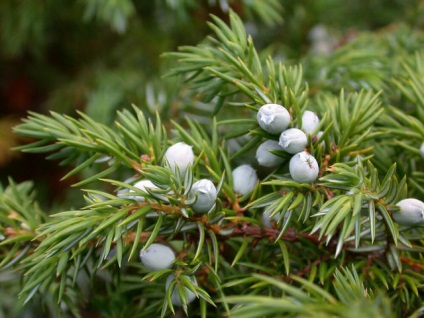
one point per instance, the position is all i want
(179, 157)
(275, 119)
(158, 256)
(303, 167)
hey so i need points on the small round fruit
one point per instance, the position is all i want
(267, 218)
(244, 179)
(143, 185)
(206, 194)
(273, 118)
(411, 212)
(310, 122)
(293, 140)
(303, 168)
(157, 257)
(422, 150)
(179, 155)
(175, 297)
(266, 158)
(318, 136)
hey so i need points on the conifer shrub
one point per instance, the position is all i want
(188, 217)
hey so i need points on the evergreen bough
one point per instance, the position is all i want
(334, 249)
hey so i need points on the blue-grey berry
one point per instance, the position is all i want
(422, 150)
(319, 135)
(266, 158)
(267, 218)
(293, 140)
(310, 121)
(143, 185)
(175, 297)
(179, 155)
(157, 257)
(411, 212)
(273, 118)
(244, 179)
(303, 167)
(206, 194)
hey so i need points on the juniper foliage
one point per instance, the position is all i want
(333, 248)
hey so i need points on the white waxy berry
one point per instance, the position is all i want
(293, 140)
(266, 158)
(273, 118)
(179, 155)
(422, 150)
(206, 194)
(175, 296)
(303, 167)
(411, 212)
(310, 122)
(244, 179)
(143, 185)
(157, 257)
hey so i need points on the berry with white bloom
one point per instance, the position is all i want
(175, 297)
(267, 218)
(318, 136)
(293, 140)
(310, 122)
(244, 179)
(422, 150)
(206, 194)
(179, 155)
(411, 212)
(157, 257)
(143, 185)
(266, 158)
(226, 231)
(303, 167)
(273, 118)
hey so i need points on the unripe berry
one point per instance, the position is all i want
(157, 257)
(303, 167)
(175, 297)
(179, 155)
(266, 158)
(422, 150)
(273, 118)
(206, 195)
(244, 179)
(293, 140)
(411, 212)
(310, 122)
